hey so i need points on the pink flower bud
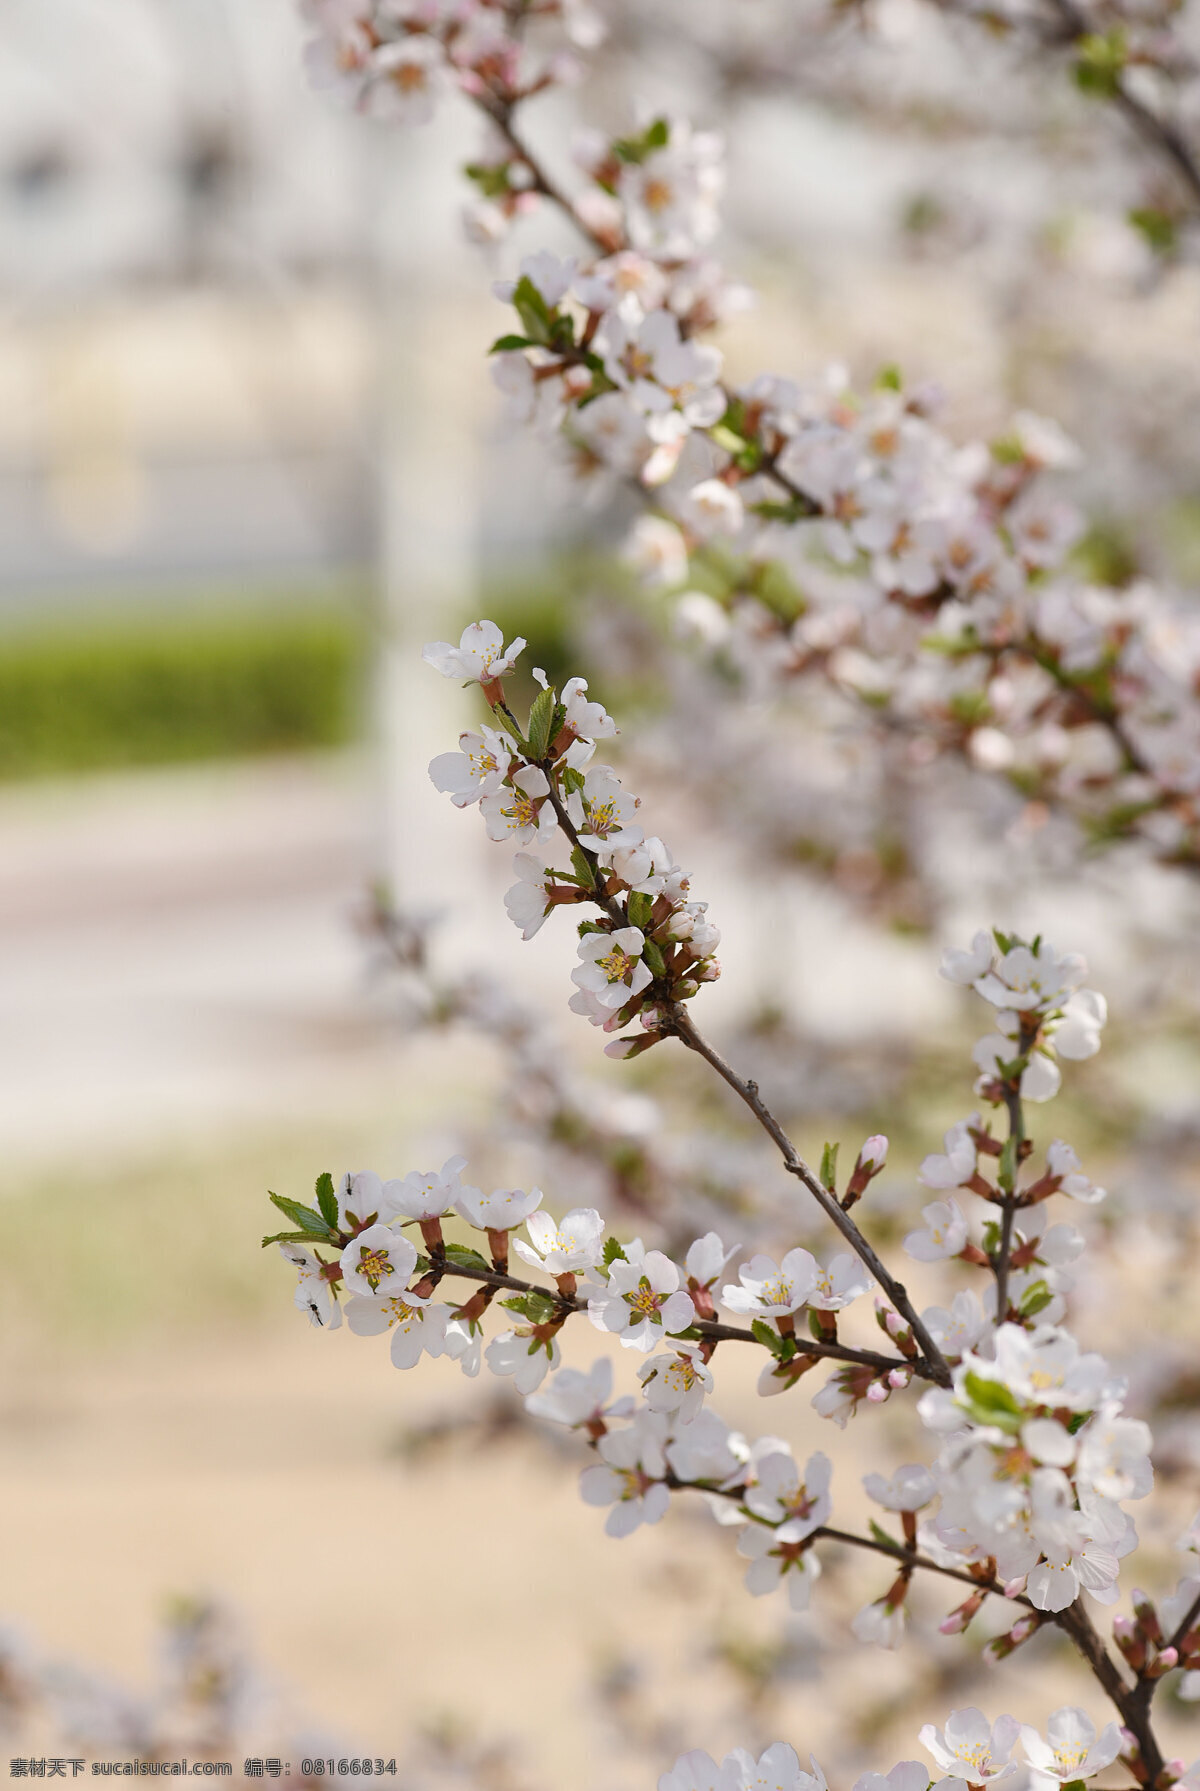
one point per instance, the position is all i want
(874, 1152)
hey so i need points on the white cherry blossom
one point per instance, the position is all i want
(782, 1497)
(417, 1326)
(477, 769)
(378, 1260)
(629, 1476)
(944, 1232)
(480, 654)
(957, 1165)
(526, 1358)
(843, 1281)
(676, 1382)
(880, 1624)
(642, 1300)
(564, 1247)
(520, 810)
(527, 903)
(777, 1768)
(611, 968)
(428, 1193)
(501, 1210)
(1071, 1748)
(767, 1289)
(314, 1293)
(909, 1489)
(774, 1564)
(971, 1748)
(580, 1400)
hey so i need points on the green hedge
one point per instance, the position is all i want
(83, 695)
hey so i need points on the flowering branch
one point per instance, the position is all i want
(679, 1023)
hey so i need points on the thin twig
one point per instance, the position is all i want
(680, 1024)
(710, 1328)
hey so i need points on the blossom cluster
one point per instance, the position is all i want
(1034, 1460)
(968, 1750)
(925, 580)
(924, 577)
(650, 945)
(396, 60)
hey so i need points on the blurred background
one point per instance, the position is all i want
(250, 460)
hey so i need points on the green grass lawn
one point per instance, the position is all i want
(206, 680)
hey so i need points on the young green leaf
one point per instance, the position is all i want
(327, 1200)
(540, 717)
(309, 1221)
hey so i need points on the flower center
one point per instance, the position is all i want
(617, 965)
(658, 195)
(374, 1266)
(777, 1292)
(643, 1300)
(401, 1313)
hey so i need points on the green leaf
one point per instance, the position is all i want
(639, 908)
(636, 149)
(327, 1200)
(582, 868)
(1158, 228)
(1006, 1173)
(540, 717)
(532, 309)
(465, 1256)
(492, 181)
(613, 1252)
(790, 510)
(1101, 58)
(590, 926)
(508, 344)
(889, 379)
(992, 1403)
(724, 437)
(538, 1308)
(310, 1222)
(768, 1336)
(510, 727)
(655, 961)
(1036, 1298)
(883, 1539)
(829, 1157)
(572, 782)
(288, 1237)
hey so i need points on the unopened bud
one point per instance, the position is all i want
(878, 1392)
(1162, 1663)
(1000, 1647)
(955, 1624)
(1147, 1616)
(871, 1159)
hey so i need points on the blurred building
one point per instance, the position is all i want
(183, 234)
